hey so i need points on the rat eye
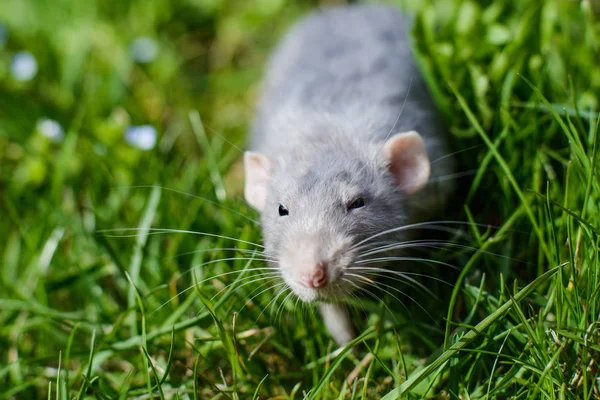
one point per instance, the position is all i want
(283, 211)
(358, 203)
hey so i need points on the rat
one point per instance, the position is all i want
(347, 146)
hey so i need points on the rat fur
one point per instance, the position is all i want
(346, 145)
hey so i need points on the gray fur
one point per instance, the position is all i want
(332, 95)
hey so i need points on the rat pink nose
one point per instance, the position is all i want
(317, 277)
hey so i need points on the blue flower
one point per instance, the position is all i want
(50, 129)
(143, 137)
(143, 50)
(24, 66)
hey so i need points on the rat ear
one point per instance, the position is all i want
(407, 161)
(257, 170)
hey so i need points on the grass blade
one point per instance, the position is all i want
(468, 337)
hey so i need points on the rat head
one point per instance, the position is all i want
(320, 205)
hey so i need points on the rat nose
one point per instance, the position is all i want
(316, 278)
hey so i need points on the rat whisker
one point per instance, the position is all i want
(420, 247)
(274, 299)
(193, 196)
(215, 249)
(416, 259)
(206, 280)
(223, 260)
(384, 271)
(408, 280)
(378, 285)
(302, 307)
(372, 295)
(357, 287)
(448, 177)
(273, 304)
(258, 294)
(422, 226)
(426, 225)
(415, 244)
(250, 297)
(361, 304)
(291, 311)
(222, 137)
(296, 306)
(374, 245)
(271, 275)
(268, 283)
(456, 152)
(439, 245)
(176, 296)
(411, 244)
(258, 276)
(244, 284)
(281, 308)
(401, 278)
(217, 276)
(456, 175)
(158, 231)
(389, 249)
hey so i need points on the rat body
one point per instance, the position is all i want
(347, 145)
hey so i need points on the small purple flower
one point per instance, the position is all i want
(143, 136)
(51, 129)
(24, 66)
(143, 50)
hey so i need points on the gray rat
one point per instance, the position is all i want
(346, 145)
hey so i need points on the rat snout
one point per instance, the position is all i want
(312, 262)
(316, 277)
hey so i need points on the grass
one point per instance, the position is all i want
(118, 277)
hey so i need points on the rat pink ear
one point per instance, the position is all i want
(407, 161)
(257, 169)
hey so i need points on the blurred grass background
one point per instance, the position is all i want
(117, 114)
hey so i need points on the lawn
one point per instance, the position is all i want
(130, 263)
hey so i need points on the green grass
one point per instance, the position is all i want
(118, 279)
